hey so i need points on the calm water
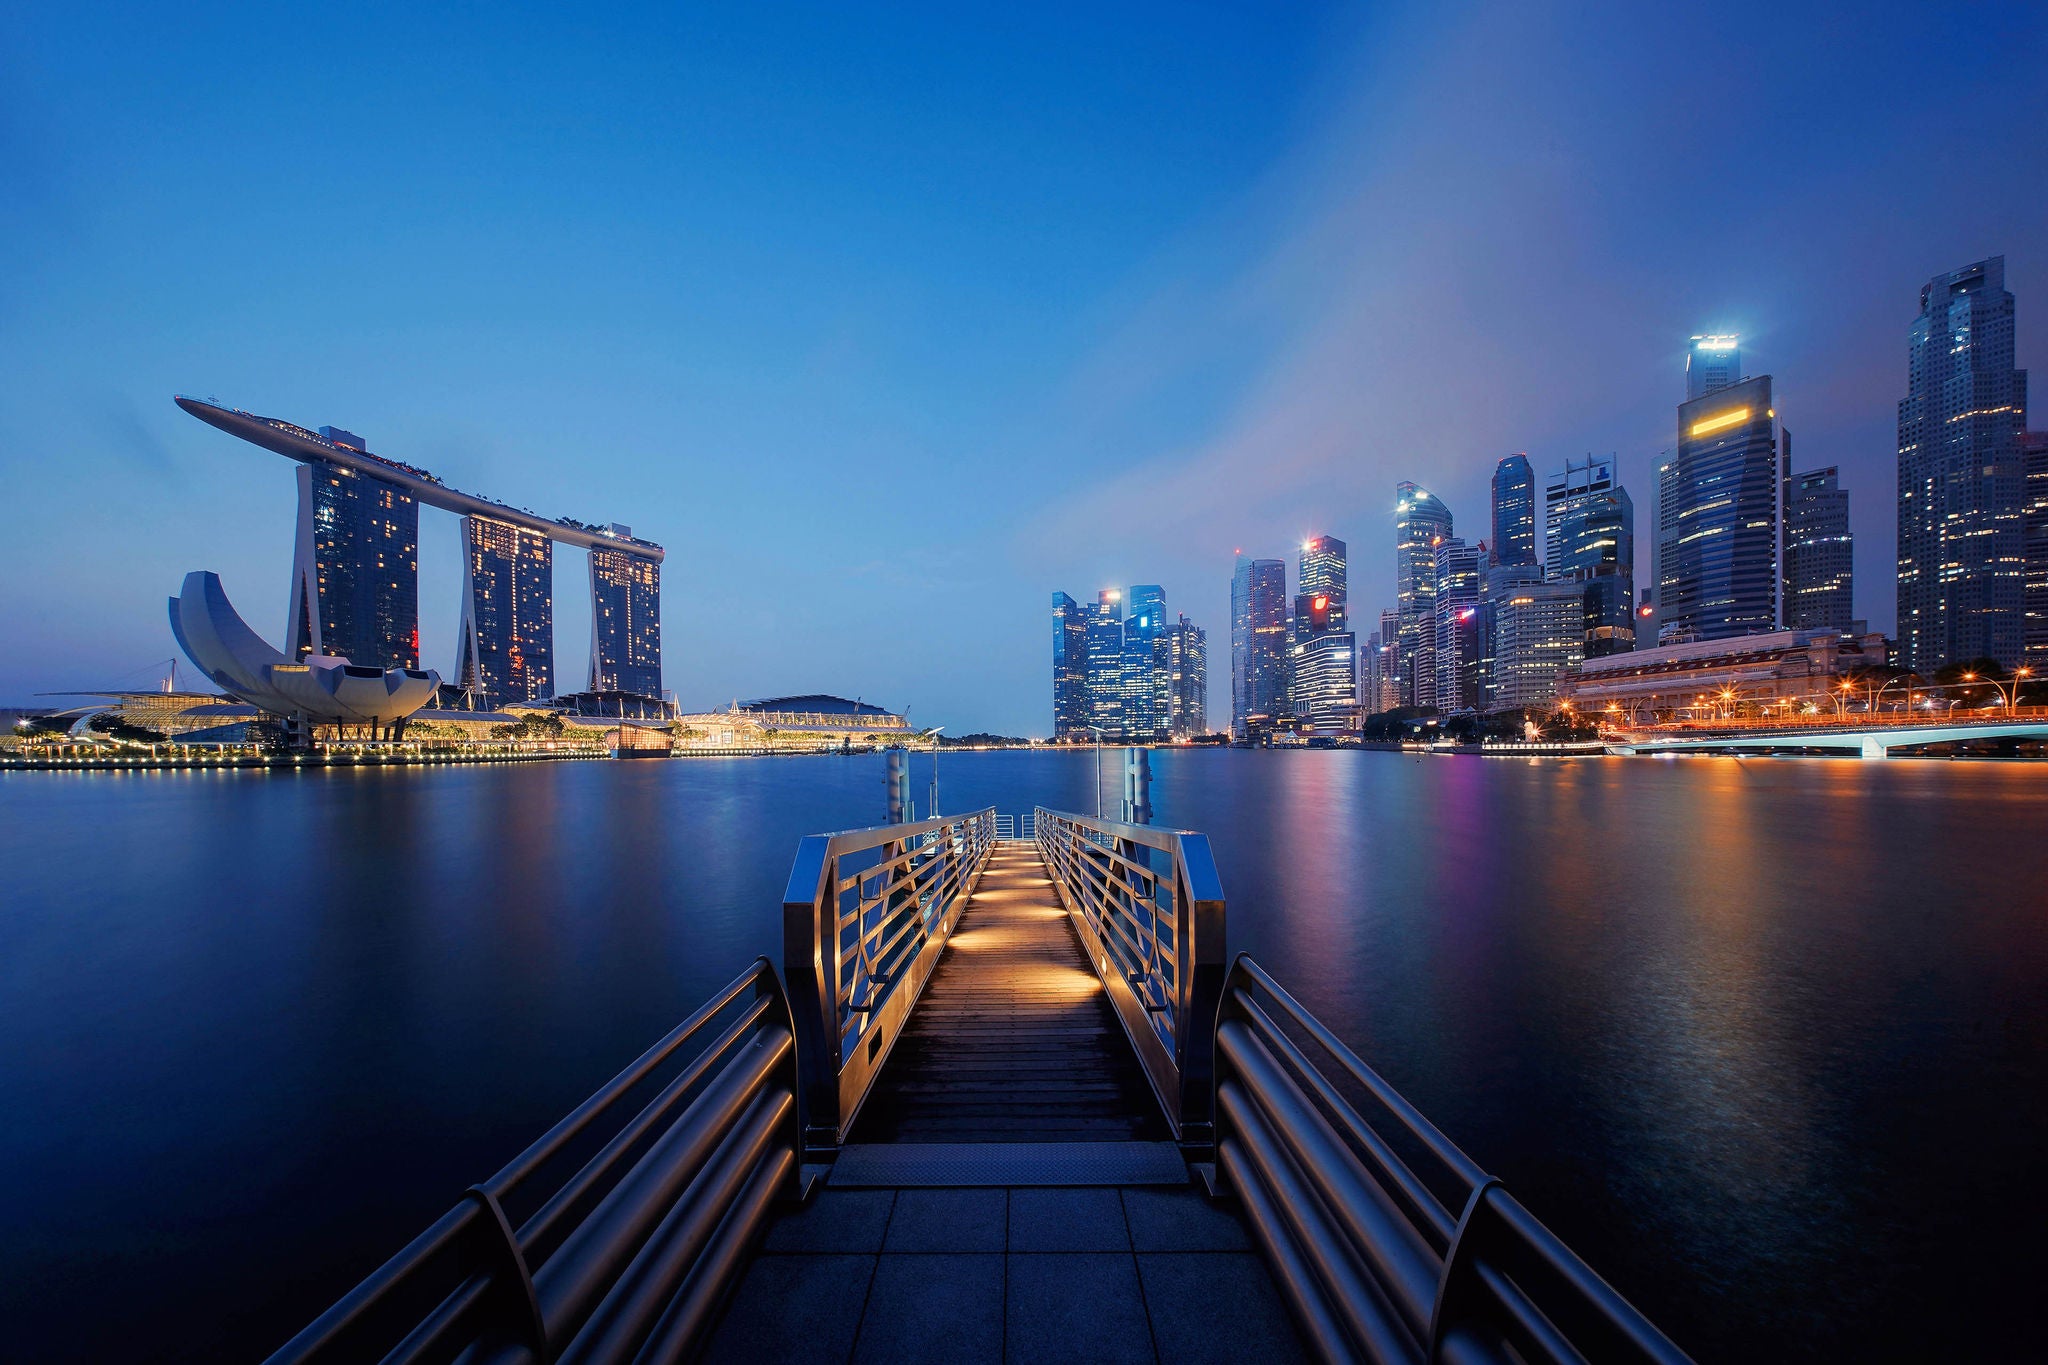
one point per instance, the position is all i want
(1766, 1041)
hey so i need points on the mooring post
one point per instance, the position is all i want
(899, 785)
(1137, 786)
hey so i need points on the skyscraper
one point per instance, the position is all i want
(1106, 664)
(1186, 647)
(507, 647)
(1514, 511)
(1962, 479)
(1069, 668)
(1144, 684)
(1537, 633)
(1258, 642)
(1717, 524)
(1420, 521)
(2034, 451)
(1712, 362)
(1819, 560)
(625, 621)
(1323, 575)
(1590, 539)
(1389, 695)
(355, 568)
(1456, 652)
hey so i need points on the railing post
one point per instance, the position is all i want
(811, 968)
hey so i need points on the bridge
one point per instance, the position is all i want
(1865, 736)
(1008, 1099)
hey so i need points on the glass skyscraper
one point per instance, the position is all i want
(1185, 647)
(1590, 539)
(1717, 524)
(1069, 668)
(1106, 663)
(1323, 574)
(1420, 521)
(1712, 362)
(1258, 646)
(1514, 511)
(625, 622)
(1456, 638)
(1144, 686)
(1819, 558)
(1962, 478)
(2034, 453)
(507, 648)
(356, 568)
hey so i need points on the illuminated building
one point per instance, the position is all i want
(507, 649)
(1717, 525)
(1106, 664)
(1325, 669)
(1420, 521)
(1538, 631)
(1455, 629)
(1389, 694)
(1323, 574)
(625, 621)
(1590, 538)
(2034, 451)
(1514, 511)
(808, 724)
(1185, 665)
(1962, 478)
(1803, 667)
(1712, 362)
(355, 568)
(1258, 646)
(1069, 668)
(1819, 559)
(1145, 700)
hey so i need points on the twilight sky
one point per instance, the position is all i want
(888, 322)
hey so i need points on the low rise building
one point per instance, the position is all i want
(806, 724)
(1744, 670)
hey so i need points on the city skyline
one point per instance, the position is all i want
(1177, 284)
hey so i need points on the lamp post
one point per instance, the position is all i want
(934, 812)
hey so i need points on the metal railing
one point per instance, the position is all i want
(631, 1254)
(1016, 828)
(1383, 1262)
(864, 919)
(1148, 907)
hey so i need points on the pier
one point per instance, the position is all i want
(1007, 1099)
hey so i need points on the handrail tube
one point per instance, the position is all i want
(1311, 1308)
(425, 1341)
(590, 1258)
(1617, 1314)
(1405, 1266)
(628, 1313)
(508, 1180)
(1372, 1323)
(689, 1313)
(1387, 1162)
(321, 1333)
(536, 1234)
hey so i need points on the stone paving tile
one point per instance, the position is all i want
(1182, 1220)
(947, 1309)
(947, 1220)
(1075, 1307)
(1067, 1220)
(1216, 1306)
(793, 1308)
(836, 1220)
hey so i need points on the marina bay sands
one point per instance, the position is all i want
(355, 571)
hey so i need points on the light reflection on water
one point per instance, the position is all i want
(1764, 1040)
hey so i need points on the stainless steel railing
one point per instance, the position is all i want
(628, 1252)
(1148, 907)
(864, 919)
(1016, 828)
(1392, 1245)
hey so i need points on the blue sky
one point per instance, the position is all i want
(889, 321)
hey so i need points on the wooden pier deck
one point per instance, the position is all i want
(1014, 1039)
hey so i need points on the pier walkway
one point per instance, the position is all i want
(1007, 1100)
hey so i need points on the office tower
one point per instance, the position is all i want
(1106, 664)
(1186, 667)
(1538, 632)
(1590, 538)
(2034, 455)
(1369, 676)
(1420, 521)
(1326, 681)
(1258, 644)
(625, 621)
(507, 643)
(1456, 651)
(1717, 524)
(1069, 668)
(1144, 689)
(1819, 565)
(1389, 695)
(1962, 481)
(1495, 582)
(1323, 575)
(1514, 511)
(1712, 362)
(355, 568)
